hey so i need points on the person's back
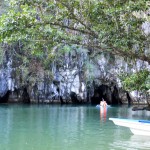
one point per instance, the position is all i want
(103, 103)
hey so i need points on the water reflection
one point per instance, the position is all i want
(134, 142)
(141, 142)
(123, 139)
(103, 113)
(43, 127)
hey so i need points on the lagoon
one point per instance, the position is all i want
(68, 127)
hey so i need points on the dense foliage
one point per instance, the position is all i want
(138, 81)
(47, 29)
(112, 26)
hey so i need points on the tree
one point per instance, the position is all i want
(45, 27)
(139, 81)
(101, 26)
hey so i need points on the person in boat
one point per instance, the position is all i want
(103, 103)
(103, 110)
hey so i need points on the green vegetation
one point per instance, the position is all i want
(102, 25)
(47, 29)
(138, 81)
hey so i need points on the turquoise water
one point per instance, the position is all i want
(56, 127)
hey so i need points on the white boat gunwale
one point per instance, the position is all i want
(139, 127)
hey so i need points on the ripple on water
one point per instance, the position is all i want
(134, 142)
(45, 127)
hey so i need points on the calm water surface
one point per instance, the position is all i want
(55, 127)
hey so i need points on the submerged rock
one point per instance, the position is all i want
(138, 108)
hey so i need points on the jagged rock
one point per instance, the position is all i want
(5, 97)
(67, 76)
(115, 96)
(104, 92)
(25, 96)
(129, 98)
(61, 100)
(74, 98)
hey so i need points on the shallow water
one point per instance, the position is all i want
(67, 127)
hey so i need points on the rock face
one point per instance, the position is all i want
(70, 79)
(105, 92)
(115, 96)
(5, 97)
(130, 101)
(102, 92)
(6, 85)
(74, 98)
(25, 96)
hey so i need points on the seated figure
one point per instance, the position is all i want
(103, 103)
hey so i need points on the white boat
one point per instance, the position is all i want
(138, 127)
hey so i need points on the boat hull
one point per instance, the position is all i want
(137, 127)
